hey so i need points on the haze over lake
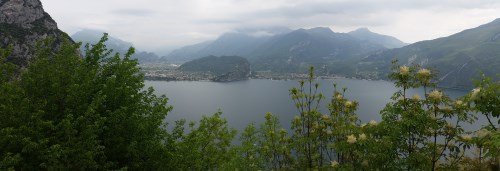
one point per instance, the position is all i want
(247, 101)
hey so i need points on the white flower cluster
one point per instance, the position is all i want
(475, 93)
(404, 70)
(436, 95)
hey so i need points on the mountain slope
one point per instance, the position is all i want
(22, 24)
(458, 58)
(234, 43)
(384, 40)
(225, 68)
(185, 53)
(241, 42)
(118, 45)
(301, 48)
(285, 50)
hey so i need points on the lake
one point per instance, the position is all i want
(248, 101)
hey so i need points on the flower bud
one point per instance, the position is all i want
(334, 164)
(416, 97)
(482, 133)
(339, 97)
(466, 137)
(362, 137)
(475, 93)
(351, 139)
(404, 70)
(424, 72)
(436, 95)
(349, 104)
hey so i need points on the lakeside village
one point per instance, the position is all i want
(169, 72)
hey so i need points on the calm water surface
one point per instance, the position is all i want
(244, 102)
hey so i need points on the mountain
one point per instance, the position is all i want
(284, 50)
(118, 45)
(225, 68)
(386, 41)
(186, 53)
(22, 24)
(303, 47)
(233, 43)
(457, 58)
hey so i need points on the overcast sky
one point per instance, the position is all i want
(156, 24)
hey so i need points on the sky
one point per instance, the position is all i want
(159, 25)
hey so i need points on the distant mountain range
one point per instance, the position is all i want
(237, 43)
(457, 58)
(386, 41)
(301, 48)
(289, 50)
(118, 45)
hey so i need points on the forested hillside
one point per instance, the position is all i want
(457, 59)
(225, 68)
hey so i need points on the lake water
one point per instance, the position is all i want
(248, 101)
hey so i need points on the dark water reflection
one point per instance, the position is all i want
(244, 102)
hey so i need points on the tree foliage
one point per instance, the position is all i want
(67, 112)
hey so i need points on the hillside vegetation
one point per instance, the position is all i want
(457, 59)
(225, 68)
(65, 112)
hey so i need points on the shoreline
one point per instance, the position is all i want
(294, 79)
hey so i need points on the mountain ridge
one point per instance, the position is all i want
(367, 35)
(285, 51)
(456, 58)
(118, 45)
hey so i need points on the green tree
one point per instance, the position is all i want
(275, 144)
(251, 155)
(68, 112)
(207, 146)
(305, 126)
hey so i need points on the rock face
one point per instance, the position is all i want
(224, 68)
(22, 24)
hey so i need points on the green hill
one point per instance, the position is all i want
(301, 48)
(457, 58)
(225, 68)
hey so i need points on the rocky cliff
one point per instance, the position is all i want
(22, 24)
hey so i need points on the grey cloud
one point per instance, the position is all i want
(366, 7)
(133, 12)
(158, 23)
(217, 21)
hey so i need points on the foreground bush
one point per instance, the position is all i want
(67, 112)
